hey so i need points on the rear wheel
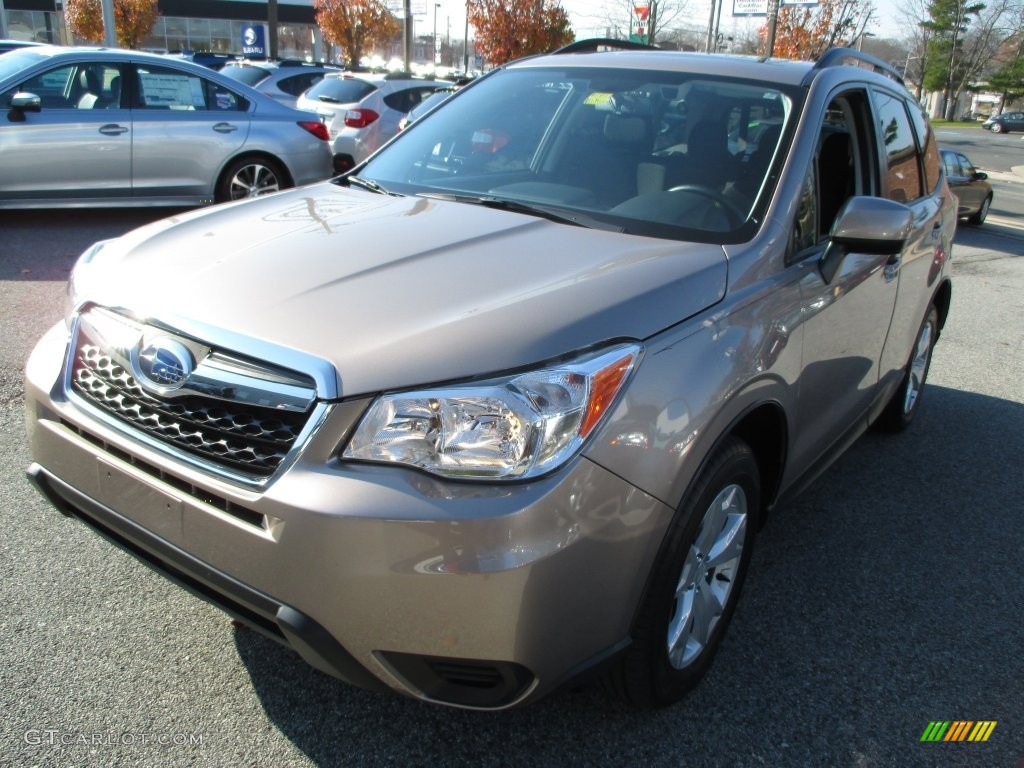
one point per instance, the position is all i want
(695, 583)
(907, 399)
(251, 177)
(979, 218)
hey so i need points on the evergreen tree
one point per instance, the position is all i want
(948, 23)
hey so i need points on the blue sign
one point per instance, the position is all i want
(254, 41)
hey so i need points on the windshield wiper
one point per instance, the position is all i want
(368, 184)
(551, 213)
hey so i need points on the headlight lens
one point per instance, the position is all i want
(513, 428)
(77, 280)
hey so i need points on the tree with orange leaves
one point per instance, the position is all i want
(133, 20)
(358, 26)
(511, 29)
(807, 32)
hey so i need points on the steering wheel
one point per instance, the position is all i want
(735, 215)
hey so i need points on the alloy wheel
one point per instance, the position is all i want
(708, 576)
(253, 180)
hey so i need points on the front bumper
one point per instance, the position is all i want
(474, 595)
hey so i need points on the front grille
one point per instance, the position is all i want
(241, 437)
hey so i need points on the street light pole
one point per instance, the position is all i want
(436, 46)
(407, 32)
(860, 39)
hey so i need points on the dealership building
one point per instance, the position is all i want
(197, 25)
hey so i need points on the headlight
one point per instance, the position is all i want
(512, 428)
(77, 279)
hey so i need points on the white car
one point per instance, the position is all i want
(363, 111)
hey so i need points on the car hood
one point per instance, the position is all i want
(398, 291)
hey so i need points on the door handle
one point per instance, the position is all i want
(225, 128)
(112, 129)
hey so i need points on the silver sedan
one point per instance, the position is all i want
(100, 127)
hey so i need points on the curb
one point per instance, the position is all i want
(1015, 174)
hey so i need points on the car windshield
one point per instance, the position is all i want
(665, 154)
(17, 60)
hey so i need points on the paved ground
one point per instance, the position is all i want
(888, 596)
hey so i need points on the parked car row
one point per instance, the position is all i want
(13, 45)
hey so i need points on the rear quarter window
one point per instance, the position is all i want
(250, 76)
(296, 84)
(341, 90)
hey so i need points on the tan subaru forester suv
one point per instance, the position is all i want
(509, 401)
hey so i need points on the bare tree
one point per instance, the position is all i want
(910, 13)
(996, 26)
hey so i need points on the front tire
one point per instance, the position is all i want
(997, 128)
(251, 177)
(695, 583)
(906, 401)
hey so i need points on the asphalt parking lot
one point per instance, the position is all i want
(888, 596)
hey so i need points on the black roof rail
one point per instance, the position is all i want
(835, 57)
(591, 45)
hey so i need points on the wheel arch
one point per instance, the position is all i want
(763, 428)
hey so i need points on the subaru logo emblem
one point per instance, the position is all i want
(163, 364)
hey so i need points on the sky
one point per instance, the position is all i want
(589, 17)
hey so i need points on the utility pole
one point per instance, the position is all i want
(711, 26)
(407, 34)
(109, 25)
(465, 45)
(272, 28)
(773, 23)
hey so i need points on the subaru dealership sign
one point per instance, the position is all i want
(254, 41)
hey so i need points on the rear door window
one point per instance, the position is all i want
(926, 143)
(166, 88)
(903, 174)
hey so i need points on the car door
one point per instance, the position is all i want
(185, 128)
(846, 319)
(78, 146)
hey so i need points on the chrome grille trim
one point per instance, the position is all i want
(243, 428)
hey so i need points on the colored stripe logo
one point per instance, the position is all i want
(958, 730)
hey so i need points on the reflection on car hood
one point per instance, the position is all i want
(401, 291)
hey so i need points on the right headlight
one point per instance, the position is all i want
(511, 428)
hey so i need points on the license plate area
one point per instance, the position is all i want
(140, 500)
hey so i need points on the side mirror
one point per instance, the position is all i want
(866, 225)
(980, 175)
(21, 103)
